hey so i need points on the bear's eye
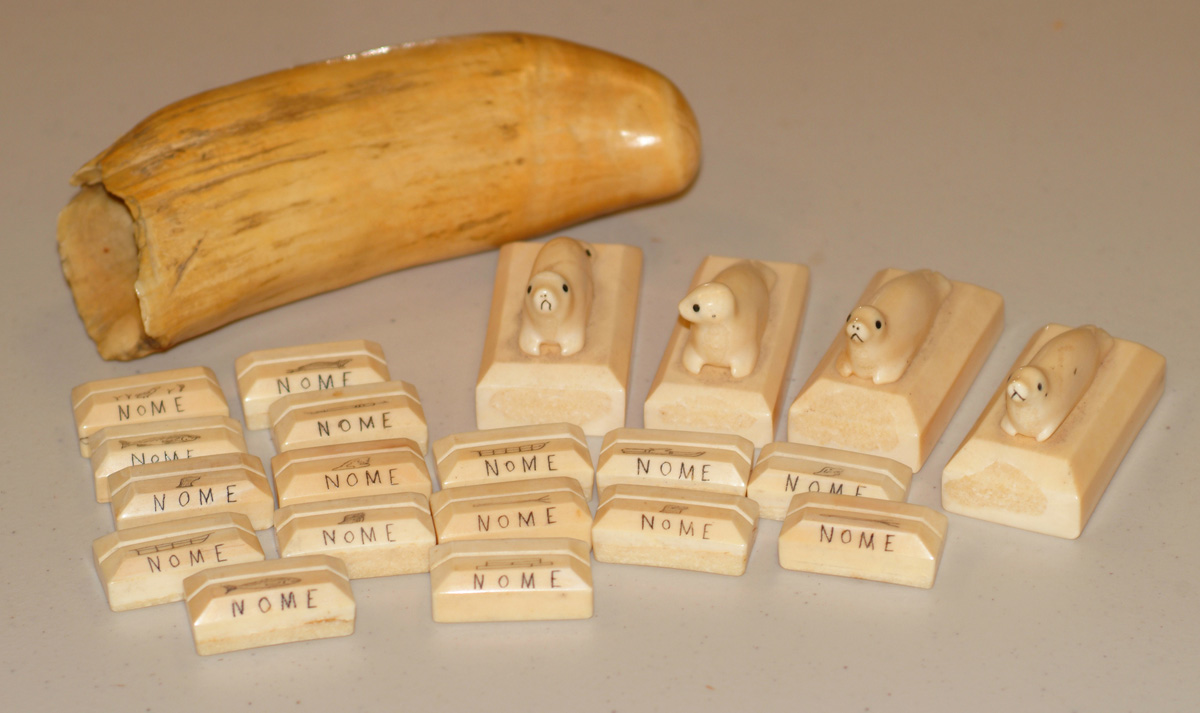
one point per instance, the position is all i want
(1039, 386)
(529, 289)
(588, 252)
(565, 288)
(878, 324)
(695, 308)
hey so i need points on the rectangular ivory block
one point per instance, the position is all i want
(144, 566)
(244, 606)
(511, 580)
(715, 402)
(268, 374)
(160, 396)
(117, 447)
(864, 538)
(1053, 487)
(502, 455)
(784, 470)
(716, 462)
(545, 507)
(588, 388)
(902, 420)
(676, 528)
(367, 412)
(347, 470)
(157, 492)
(376, 535)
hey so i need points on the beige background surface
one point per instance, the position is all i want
(1047, 150)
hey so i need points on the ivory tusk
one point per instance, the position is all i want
(294, 183)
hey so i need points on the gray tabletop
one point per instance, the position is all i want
(1047, 151)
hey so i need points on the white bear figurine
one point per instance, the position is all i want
(885, 333)
(728, 317)
(558, 298)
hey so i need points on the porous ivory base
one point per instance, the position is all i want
(589, 387)
(902, 420)
(714, 402)
(1052, 487)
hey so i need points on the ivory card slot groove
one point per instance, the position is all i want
(784, 470)
(117, 447)
(863, 538)
(675, 527)
(157, 492)
(515, 453)
(353, 414)
(269, 374)
(159, 396)
(376, 535)
(278, 601)
(511, 580)
(144, 566)
(716, 462)
(544, 507)
(347, 470)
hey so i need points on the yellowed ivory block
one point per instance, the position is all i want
(1053, 486)
(501, 455)
(784, 470)
(904, 419)
(117, 447)
(511, 580)
(348, 470)
(146, 565)
(588, 388)
(716, 462)
(545, 507)
(713, 401)
(864, 538)
(160, 396)
(157, 492)
(269, 374)
(244, 606)
(367, 412)
(376, 535)
(675, 527)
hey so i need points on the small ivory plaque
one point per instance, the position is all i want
(517, 453)
(511, 580)
(156, 492)
(545, 507)
(675, 527)
(146, 565)
(864, 538)
(369, 412)
(308, 475)
(376, 536)
(715, 462)
(161, 396)
(784, 470)
(268, 374)
(244, 606)
(118, 447)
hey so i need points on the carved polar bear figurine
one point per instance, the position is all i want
(558, 298)
(1041, 394)
(884, 334)
(728, 317)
